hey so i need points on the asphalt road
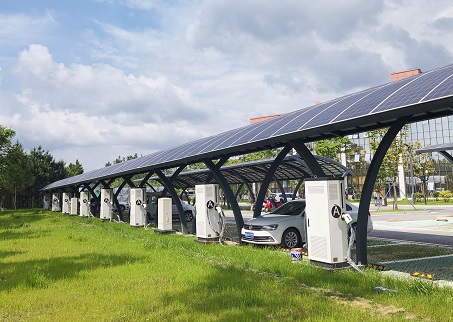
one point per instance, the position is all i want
(412, 236)
(424, 224)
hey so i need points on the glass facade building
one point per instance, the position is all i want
(431, 132)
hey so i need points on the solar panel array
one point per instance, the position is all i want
(358, 110)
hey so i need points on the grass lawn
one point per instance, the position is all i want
(59, 268)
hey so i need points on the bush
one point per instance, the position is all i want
(446, 195)
(418, 196)
(436, 195)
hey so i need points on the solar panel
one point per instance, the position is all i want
(414, 91)
(356, 112)
(326, 116)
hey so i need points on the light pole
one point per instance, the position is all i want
(424, 179)
(411, 168)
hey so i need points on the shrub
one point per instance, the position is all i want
(446, 195)
(436, 195)
(418, 196)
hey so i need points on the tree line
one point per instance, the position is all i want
(24, 173)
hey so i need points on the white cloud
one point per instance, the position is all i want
(179, 71)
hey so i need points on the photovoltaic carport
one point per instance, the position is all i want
(440, 148)
(421, 97)
(291, 168)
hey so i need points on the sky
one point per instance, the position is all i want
(91, 80)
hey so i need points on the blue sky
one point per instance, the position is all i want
(95, 79)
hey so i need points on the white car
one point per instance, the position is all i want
(124, 206)
(151, 208)
(286, 225)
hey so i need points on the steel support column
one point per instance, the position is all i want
(115, 200)
(368, 185)
(229, 195)
(129, 181)
(447, 155)
(268, 179)
(282, 190)
(97, 199)
(238, 190)
(308, 158)
(145, 179)
(297, 188)
(247, 184)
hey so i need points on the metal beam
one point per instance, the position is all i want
(282, 190)
(268, 179)
(308, 157)
(129, 181)
(97, 199)
(247, 184)
(238, 190)
(220, 178)
(297, 188)
(145, 179)
(447, 155)
(368, 185)
(115, 200)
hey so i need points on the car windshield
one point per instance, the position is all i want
(290, 209)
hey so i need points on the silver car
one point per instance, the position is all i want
(286, 225)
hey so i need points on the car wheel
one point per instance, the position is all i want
(291, 238)
(189, 216)
(122, 208)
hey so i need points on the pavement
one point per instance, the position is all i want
(425, 219)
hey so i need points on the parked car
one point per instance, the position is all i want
(289, 196)
(124, 206)
(151, 208)
(286, 225)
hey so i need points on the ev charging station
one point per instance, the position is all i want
(327, 231)
(106, 204)
(164, 215)
(46, 201)
(84, 204)
(138, 207)
(208, 219)
(74, 204)
(56, 202)
(66, 203)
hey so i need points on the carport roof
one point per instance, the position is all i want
(435, 148)
(420, 97)
(291, 168)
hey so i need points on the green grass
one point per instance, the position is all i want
(56, 268)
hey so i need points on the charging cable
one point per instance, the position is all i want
(347, 217)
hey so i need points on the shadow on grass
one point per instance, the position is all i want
(8, 253)
(11, 235)
(41, 273)
(11, 219)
